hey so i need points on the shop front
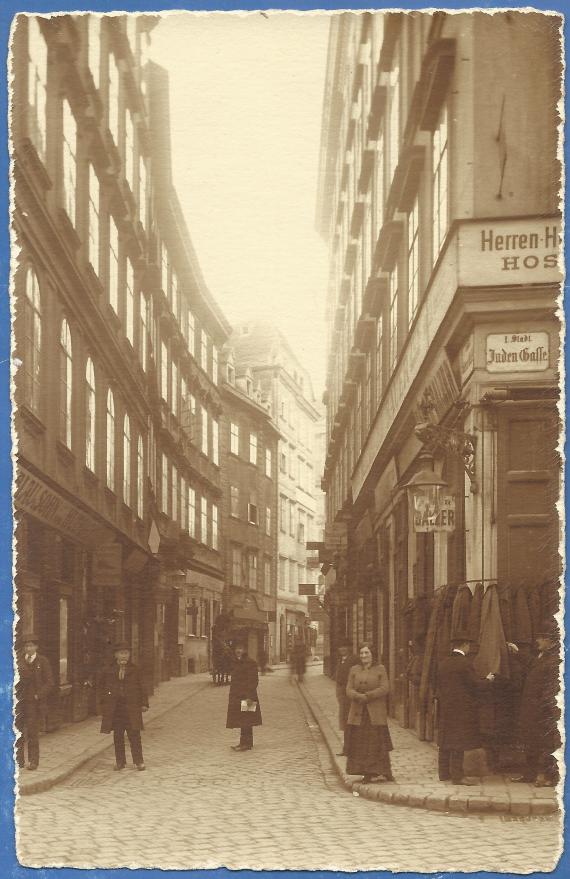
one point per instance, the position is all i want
(198, 607)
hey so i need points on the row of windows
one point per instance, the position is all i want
(245, 570)
(294, 520)
(291, 574)
(252, 448)
(180, 501)
(253, 513)
(297, 468)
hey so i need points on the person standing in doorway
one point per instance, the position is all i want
(457, 689)
(124, 701)
(346, 660)
(34, 685)
(244, 711)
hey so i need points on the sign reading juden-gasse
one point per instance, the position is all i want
(524, 251)
(517, 352)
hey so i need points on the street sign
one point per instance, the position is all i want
(307, 589)
(433, 512)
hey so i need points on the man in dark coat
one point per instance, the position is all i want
(32, 689)
(539, 714)
(346, 660)
(243, 704)
(124, 700)
(458, 686)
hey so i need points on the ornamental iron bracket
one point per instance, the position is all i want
(437, 438)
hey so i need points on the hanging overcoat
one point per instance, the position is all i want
(243, 685)
(343, 667)
(539, 714)
(458, 687)
(374, 683)
(135, 696)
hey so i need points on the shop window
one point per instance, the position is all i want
(37, 85)
(65, 383)
(90, 415)
(32, 341)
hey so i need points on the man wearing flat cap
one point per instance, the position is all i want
(346, 660)
(539, 713)
(124, 700)
(35, 682)
(458, 686)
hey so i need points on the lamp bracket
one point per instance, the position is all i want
(437, 438)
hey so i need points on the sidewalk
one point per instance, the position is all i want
(67, 749)
(414, 764)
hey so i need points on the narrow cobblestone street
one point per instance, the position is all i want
(280, 806)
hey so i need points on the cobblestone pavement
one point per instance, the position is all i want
(280, 806)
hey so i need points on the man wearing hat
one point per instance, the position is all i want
(244, 711)
(124, 700)
(458, 687)
(346, 660)
(539, 713)
(32, 689)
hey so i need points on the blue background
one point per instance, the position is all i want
(9, 866)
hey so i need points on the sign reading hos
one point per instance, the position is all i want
(517, 352)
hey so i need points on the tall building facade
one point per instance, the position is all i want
(441, 469)
(117, 403)
(287, 385)
(249, 443)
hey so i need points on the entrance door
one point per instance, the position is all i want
(528, 471)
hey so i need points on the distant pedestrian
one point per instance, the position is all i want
(299, 660)
(369, 742)
(35, 683)
(244, 711)
(124, 700)
(457, 694)
(539, 713)
(346, 660)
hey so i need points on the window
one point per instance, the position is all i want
(214, 526)
(130, 304)
(379, 187)
(94, 48)
(113, 265)
(301, 528)
(65, 384)
(293, 584)
(164, 268)
(236, 566)
(268, 462)
(394, 120)
(93, 236)
(90, 415)
(127, 461)
(164, 484)
(214, 364)
(191, 512)
(143, 330)
(174, 293)
(143, 191)
(130, 151)
(440, 185)
(282, 574)
(268, 521)
(37, 79)
(282, 513)
(231, 373)
(379, 359)
(234, 501)
(215, 442)
(183, 505)
(174, 492)
(204, 431)
(291, 518)
(252, 514)
(204, 350)
(140, 478)
(267, 576)
(113, 98)
(413, 261)
(253, 448)
(191, 334)
(204, 520)
(174, 389)
(252, 570)
(110, 449)
(63, 677)
(69, 161)
(164, 371)
(234, 438)
(283, 462)
(393, 318)
(32, 341)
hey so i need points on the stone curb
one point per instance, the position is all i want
(435, 800)
(64, 771)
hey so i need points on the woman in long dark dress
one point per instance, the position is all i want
(369, 741)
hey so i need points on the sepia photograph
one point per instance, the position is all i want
(287, 439)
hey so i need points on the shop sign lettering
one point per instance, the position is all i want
(433, 512)
(517, 352)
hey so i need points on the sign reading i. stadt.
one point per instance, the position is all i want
(517, 352)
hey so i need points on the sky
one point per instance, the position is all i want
(246, 98)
